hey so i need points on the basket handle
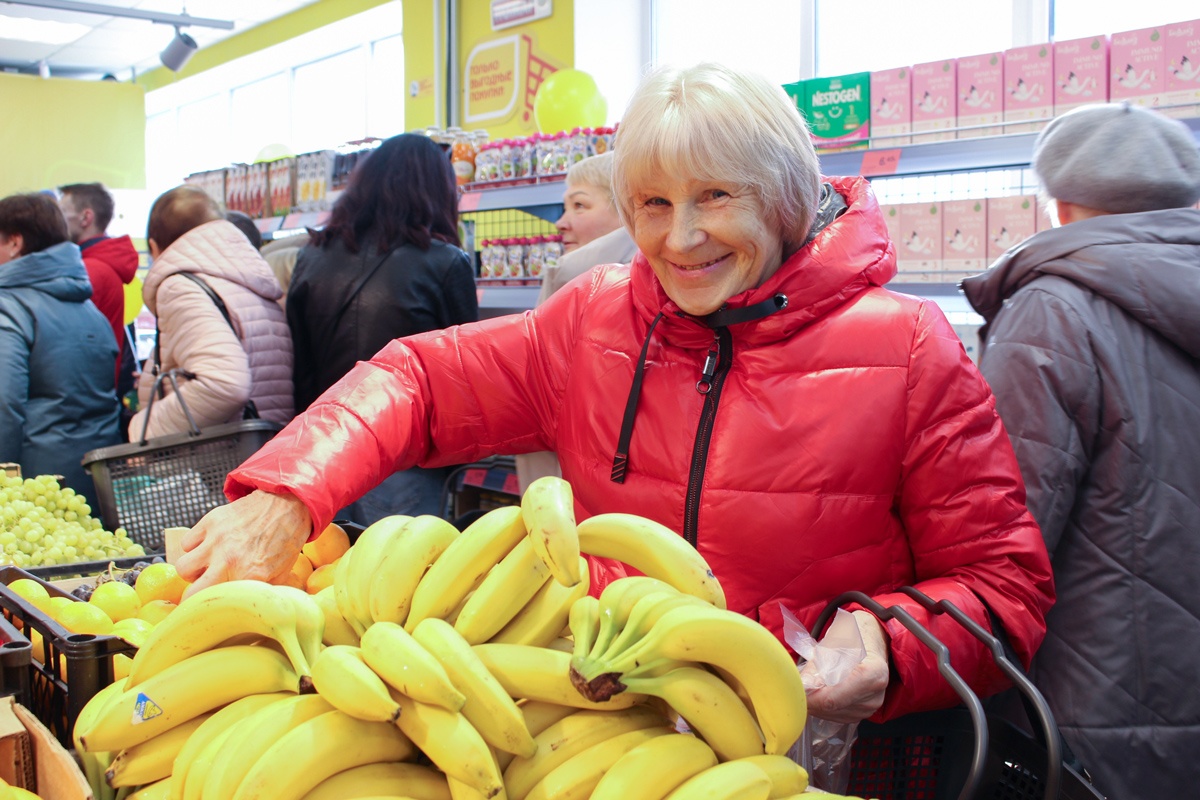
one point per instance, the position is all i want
(1035, 703)
(971, 700)
(169, 375)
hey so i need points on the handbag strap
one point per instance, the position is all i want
(358, 287)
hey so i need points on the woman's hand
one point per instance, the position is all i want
(255, 537)
(860, 694)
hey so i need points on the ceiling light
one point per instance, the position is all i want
(44, 31)
(177, 53)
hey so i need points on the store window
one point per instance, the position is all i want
(329, 101)
(759, 35)
(260, 116)
(1074, 19)
(202, 138)
(385, 97)
(869, 35)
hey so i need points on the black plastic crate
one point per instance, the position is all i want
(16, 658)
(65, 669)
(170, 481)
(86, 568)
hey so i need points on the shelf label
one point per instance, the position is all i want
(469, 201)
(880, 162)
(511, 484)
(475, 477)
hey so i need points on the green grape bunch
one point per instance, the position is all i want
(43, 524)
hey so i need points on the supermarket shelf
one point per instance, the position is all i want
(496, 301)
(542, 199)
(268, 224)
(1009, 150)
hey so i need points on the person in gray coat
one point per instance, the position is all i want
(1092, 347)
(57, 393)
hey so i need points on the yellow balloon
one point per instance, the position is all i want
(569, 98)
(133, 299)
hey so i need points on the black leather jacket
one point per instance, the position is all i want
(412, 291)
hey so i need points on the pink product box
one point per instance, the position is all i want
(981, 94)
(1137, 66)
(1182, 51)
(1010, 221)
(1080, 73)
(1028, 87)
(934, 102)
(964, 237)
(919, 246)
(891, 107)
(891, 215)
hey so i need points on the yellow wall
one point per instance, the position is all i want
(57, 131)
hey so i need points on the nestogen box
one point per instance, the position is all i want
(839, 111)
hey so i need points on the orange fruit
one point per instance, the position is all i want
(328, 547)
(160, 582)
(154, 611)
(118, 599)
(57, 604)
(321, 577)
(85, 618)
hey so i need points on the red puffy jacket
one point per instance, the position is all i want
(845, 441)
(111, 263)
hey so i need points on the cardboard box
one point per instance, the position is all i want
(1182, 55)
(919, 248)
(891, 216)
(31, 758)
(934, 100)
(891, 107)
(964, 238)
(981, 94)
(1137, 63)
(1028, 87)
(838, 111)
(1010, 220)
(1080, 73)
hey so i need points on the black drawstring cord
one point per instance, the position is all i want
(725, 317)
(621, 458)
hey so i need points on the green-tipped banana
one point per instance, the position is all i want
(543, 618)
(540, 673)
(653, 549)
(342, 677)
(400, 569)
(642, 618)
(310, 621)
(584, 621)
(617, 602)
(504, 592)
(655, 768)
(732, 780)
(548, 508)
(407, 666)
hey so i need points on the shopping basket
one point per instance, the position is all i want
(170, 481)
(961, 753)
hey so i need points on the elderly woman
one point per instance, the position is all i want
(746, 381)
(589, 212)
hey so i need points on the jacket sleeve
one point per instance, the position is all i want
(14, 385)
(303, 370)
(458, 289)
(973, 541)
(196, 338)
(1039, 362)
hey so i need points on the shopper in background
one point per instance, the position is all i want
(1092, 347)
(387, 265)
(237, 366)
(56, 349)
(600, 240)
(111, 263)
(721, 384)
(244, 223)
(281, 255)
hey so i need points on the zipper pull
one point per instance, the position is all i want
(704, 385)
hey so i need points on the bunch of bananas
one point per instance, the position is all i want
(479, 653)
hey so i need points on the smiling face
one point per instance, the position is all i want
(587, 214)
(705, 240)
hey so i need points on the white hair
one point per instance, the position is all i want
(594, 171)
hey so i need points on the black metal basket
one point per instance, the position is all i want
(961, 753)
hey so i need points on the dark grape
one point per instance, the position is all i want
(131, 576)
(158, 560)
(141, 564)
(83, 592)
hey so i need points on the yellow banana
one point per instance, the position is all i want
(318, 749)
(540, 673)
(732, 780)
(505, 590)
(576, 778)
(642, 618)
(400, 569)
(342, 677)
(787, 777)
(548, 508)
(369, 550)
(152, 760)
(159, 790)
(655, 768)
(197, 777)
(253, 737)
(310, 620)
(653, 549)
(408, 666)
(96, 764)
(618, 600)
(341, 592)
(225, 719)
(383, 779)
(729, 642)
(214, 615)
(570, 736)
(185, 690)
(562, 643)
(546, 614)
(337, 629)
(488, 707)
(538, 716)
(464, 563)
(711, 709)
(584, 621)
(451, 743)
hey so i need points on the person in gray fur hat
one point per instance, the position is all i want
(1092, 347)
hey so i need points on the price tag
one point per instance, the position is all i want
(469, 201)
(880, 162)
(511, 484)
(474, 477)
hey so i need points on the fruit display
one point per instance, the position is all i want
(440, 665)
(43, 524)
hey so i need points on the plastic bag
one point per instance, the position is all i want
(824, 747)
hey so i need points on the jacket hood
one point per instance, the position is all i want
(215, 249)
(1148, 264)
(58, 271)
(848, 256)
(118, 253)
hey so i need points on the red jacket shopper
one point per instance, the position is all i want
(111, 263)
(873, 457)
